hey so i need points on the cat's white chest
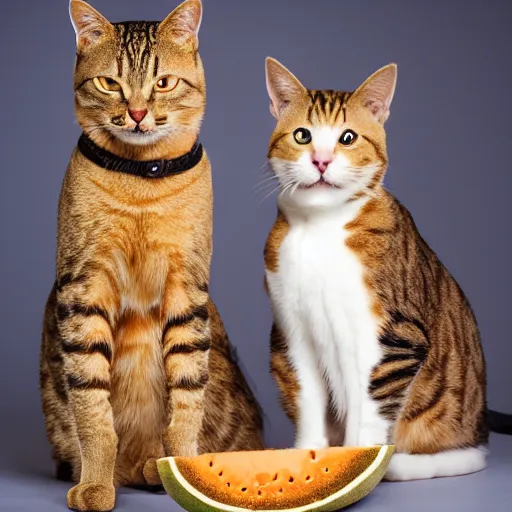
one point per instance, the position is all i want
(320, 280)
(321, 301)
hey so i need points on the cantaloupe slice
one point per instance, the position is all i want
(288, 480)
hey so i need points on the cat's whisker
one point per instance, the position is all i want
(269, 194)
(297, 185)
(284, 185)
(266, 167)
(267, 179)
(267, 186)
(270, 187)
(290, 187)
(285, 178)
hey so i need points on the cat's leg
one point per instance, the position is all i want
(441, 430)
(366, 426)
(313, 401)
(59, 423)
(284, 374)
(387, 367)
(297, 371)
(83, 322)
(374, 428)
(186, 349)
(59, 426)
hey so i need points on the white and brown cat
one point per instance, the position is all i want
(373, 340)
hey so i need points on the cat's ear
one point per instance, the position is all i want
(183, 23)
(376, 93)
(90, 26)
(282, 86)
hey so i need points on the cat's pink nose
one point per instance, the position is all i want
(138, 114)
(321, 165)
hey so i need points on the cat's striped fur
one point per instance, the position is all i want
(135, 362)
(373, 340)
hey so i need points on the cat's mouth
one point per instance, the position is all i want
(136, 131)
(138, 135)
(140, 131)
(321, 183)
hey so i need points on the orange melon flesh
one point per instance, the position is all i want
(288, 480)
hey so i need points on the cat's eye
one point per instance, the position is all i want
(302, 136)
(167, 83)
(106, 84)
(348, 137)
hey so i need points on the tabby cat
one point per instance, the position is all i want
(135, 362)
(373, 341)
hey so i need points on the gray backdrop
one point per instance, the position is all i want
(449, 140)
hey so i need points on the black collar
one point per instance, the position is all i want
(143, 168)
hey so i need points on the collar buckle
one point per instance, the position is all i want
(157, 168)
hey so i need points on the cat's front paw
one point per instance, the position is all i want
(372, 435)
(150, 472)
(92, 497)
(311, 444)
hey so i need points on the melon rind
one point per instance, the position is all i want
(192, 500)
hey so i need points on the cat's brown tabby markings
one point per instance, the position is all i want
(135, 362)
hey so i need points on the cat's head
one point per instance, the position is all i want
(328, 147)
(139, 84)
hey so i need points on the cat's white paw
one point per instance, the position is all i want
(372, 434)
(311, 444)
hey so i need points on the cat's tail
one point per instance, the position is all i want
(449, 463)
(499, 422)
